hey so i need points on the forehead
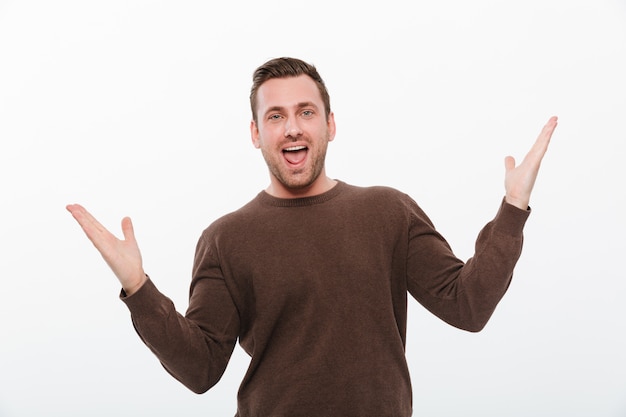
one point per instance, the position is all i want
(288, 92)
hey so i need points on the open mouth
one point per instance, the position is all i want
(295, 154)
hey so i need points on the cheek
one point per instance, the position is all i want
(271, 136)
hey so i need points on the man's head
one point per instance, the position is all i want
(284, 68)
(292, 125)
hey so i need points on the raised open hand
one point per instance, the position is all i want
(122, 256)
(519, 180)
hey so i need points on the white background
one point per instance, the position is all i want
(140, 108)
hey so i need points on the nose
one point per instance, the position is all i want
(292, 128)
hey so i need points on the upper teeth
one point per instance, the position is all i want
(295, 148)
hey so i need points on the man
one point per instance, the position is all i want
(312, 275)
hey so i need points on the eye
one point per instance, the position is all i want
(308, 113)
(274, 117)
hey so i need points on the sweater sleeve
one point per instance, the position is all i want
(194, 348)
(464, 294)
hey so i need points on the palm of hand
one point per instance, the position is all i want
(122, 256)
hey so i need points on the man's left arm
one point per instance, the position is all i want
(465, 294)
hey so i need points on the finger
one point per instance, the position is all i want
(546, 132)
(74, 208)
(550, 126)
(540, 146)
(95, 231)
(82, 216)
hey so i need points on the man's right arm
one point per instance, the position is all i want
(195, 348)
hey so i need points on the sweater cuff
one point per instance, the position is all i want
(144, 300)
(511, 219)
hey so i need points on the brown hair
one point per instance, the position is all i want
(284, 68)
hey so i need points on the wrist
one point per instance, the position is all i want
(133, 287)
(517, 202)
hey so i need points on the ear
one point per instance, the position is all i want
(332, 128)
(254, 134)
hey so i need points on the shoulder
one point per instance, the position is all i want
(378, 194)
(391, 201)
(236, 221)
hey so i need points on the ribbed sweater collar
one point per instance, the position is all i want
(268, 199)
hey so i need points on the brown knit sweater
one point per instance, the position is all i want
(315, 289)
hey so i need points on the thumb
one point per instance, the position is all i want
(509, 163)
(127, 229)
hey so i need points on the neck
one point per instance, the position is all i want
(319, 186)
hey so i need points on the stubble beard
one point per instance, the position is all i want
(298, 179)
